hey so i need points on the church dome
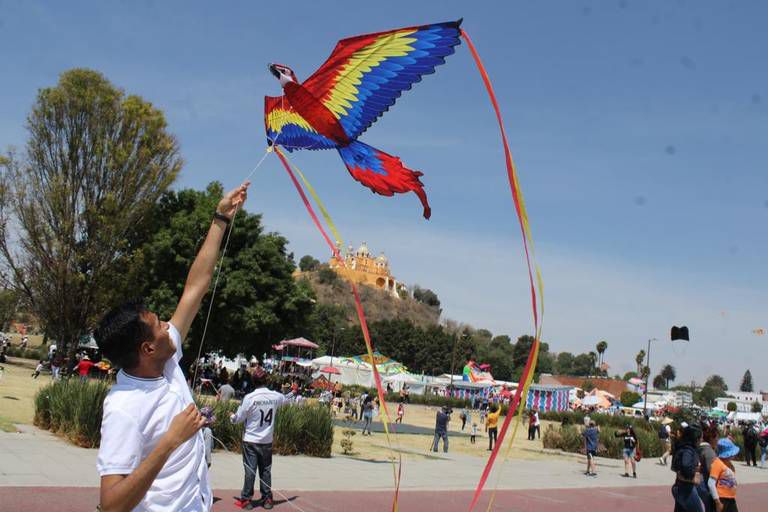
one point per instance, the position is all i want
(363, 250)
(382, 259)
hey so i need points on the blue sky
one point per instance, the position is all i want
(639, 130)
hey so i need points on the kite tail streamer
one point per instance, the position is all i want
(396, 468)
(522, 216)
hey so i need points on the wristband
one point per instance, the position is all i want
(220, 216)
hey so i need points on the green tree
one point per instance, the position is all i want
(640, 360)
(717, 382)
(659, 382)
(669, 374)
(583, 365)
(9, 303)
(746, 383)
(426, 296)
(757, 407)
(307, 263)
(73, 204)
(629, 375)
(732, 406)
(326, 275)
(257, 301)
(587, 385)
(629, 398)
(601, 347)
(564, 363)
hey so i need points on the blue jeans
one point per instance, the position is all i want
(438, 436)
(686, 498)
(367, 418)
(763, 452)
(257, 456)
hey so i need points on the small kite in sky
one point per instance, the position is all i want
(361, 79)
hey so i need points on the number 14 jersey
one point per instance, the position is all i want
(258, 410)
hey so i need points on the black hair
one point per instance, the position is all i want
(121, 332)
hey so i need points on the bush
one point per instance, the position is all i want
(304, 428)
(568, 439)
(73, 409)
(28, 353)
(629, 398)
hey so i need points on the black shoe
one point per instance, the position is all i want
(268, 504)
(625, 475)
(634, 475)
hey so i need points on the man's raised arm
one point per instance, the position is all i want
(201, 272)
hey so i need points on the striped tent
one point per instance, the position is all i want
(547, 398)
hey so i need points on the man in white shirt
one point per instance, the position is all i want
(152, 453)
(258, 411)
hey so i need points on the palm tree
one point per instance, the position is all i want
(593, 359)
(669, 374)
(659, 382)
(601, 348)
(639, 358)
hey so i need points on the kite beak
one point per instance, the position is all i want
(273, 70)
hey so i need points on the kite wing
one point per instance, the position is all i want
(286, 127)
(366, 74)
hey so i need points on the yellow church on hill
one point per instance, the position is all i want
(361, 267)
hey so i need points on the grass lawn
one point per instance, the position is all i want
(17, 391)
(418, 445)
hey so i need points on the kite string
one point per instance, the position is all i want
(230, 228)
(397, 469)
(522, 215)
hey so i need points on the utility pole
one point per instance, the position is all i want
(647, 376)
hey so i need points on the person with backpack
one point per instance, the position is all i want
(686, 463)
(665, 435)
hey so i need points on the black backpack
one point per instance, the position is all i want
(663, 434)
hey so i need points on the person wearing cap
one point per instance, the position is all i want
(722, 477)
(258, 411)
(152, 452)
(686, 464)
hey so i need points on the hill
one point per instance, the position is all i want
(378, 304)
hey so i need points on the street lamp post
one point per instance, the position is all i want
(647, 376)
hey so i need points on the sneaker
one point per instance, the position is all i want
(625, 475)
(268, 504)
(634, 475)
(593, 474)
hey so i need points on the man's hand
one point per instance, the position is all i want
(184, 425)
(233, 199)
(719, 506)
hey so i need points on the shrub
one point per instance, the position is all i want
(629, 398)
(346, 444)
(304, 428)
(73, 409)
(28, 353)
(731, 406)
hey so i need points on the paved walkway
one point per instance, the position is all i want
(40, 462)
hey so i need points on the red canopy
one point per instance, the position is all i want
(330, 369)
(299, 342)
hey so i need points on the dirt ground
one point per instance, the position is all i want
(17, 390)
(375, 447)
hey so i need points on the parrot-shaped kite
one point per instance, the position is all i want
(358, 83)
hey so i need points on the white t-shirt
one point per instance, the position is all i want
(137, 412)
(258, 411)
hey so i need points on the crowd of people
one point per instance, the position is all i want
(701, 454)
